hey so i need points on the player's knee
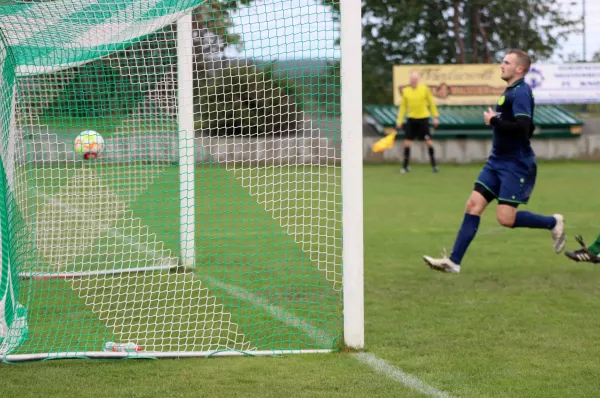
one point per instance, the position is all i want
(475, 206)
(506, 218)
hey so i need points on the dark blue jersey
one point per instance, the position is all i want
(513, 126)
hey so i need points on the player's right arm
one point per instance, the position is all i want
(401, 111)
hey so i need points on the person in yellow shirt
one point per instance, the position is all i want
(419, 101)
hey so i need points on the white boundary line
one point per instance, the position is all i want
(383, 367)
(282, 315)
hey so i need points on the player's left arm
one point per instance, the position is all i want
(523, 113)
(433, 107)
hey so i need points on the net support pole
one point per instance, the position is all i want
(185, 118)
(12, 138)
(352, 179)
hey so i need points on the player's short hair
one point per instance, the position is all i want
(522, 58)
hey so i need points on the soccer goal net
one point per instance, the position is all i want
(222, 212)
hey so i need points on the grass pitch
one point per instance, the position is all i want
(519, 321)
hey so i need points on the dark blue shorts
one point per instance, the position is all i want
(509, 182)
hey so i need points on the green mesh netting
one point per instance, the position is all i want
(225, 238)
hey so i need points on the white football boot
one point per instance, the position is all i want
(443, 264)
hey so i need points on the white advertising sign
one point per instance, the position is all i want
(565, 83)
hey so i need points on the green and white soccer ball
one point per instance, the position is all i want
(89, 144)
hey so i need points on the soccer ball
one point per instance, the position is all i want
(89, 144)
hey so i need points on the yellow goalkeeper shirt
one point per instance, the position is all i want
(416, 99)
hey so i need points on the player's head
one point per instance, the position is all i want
(414, 79)
(515, 65)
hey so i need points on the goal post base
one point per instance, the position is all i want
(82, 274)
(155, 355)
(181, 268)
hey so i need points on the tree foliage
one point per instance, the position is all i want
(454, 31)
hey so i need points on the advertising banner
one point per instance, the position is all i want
(565, 84)
(481, 84)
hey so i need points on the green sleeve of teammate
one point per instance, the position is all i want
(594, 248)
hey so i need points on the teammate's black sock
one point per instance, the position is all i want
(406, 157)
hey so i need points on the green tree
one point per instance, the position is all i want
(454, 31)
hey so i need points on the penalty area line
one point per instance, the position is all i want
(383, 367)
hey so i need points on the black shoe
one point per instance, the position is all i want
(435, 169)
(582, 254)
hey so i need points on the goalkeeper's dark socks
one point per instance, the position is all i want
(406, 157)
(526, 219)
(465, 236)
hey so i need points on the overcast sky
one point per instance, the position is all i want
(286, 29)
(293, 29)
(592, 13)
